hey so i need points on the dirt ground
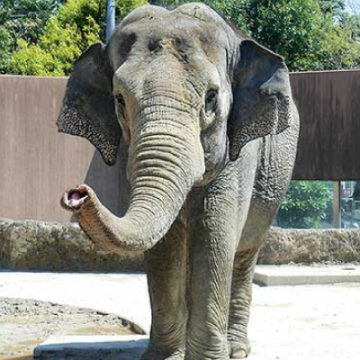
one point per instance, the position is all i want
(26, 323)
(287, 322)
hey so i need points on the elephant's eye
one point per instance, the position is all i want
(120, 100)
(211, 101)
(120, 105)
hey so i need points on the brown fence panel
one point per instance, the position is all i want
(329, 106)
(37, 164)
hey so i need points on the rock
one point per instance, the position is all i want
(284, 246)
(38, 245)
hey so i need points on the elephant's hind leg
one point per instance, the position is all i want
(166, 271)
(241, 294)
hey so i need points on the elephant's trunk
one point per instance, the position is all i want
(165, 160)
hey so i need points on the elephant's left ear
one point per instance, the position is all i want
(88, 107)
(261, 96)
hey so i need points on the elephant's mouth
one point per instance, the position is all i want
(75, 198)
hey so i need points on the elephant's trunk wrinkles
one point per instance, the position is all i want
(162, 169)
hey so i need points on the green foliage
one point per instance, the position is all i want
(78, 24)
(305, 32)
(22, 19)
(25, 18)
(5, 48)
(54, 54)
(340, 50)
(36, 38)
(65, 36)
(341, 47)
(290, 28)
(233, 10)
(305, 205)
(309, 34)
(352, 23)
(332, 7)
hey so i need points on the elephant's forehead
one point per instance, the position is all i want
(197, 11)
(186, 29)
(191, 22)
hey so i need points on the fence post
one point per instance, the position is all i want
(110, 19)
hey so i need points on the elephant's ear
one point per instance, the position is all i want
(88, 108)
(261, 96)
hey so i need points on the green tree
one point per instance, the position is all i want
(352, 23)
(342, 47)
(290, 28)
(305, 205)
(233, 10)
(341, 50)
(310, 34)
(306, 32)
(77, 25)
(332, 7)
(22, 19)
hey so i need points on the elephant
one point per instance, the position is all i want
(210, 131)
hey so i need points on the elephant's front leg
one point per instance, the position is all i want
(210, 296)
(212, 250)
(166, 271)
(241, 294)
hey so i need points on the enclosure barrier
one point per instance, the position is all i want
(37, 164)
(38, 245)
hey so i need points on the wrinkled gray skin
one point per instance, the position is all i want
(211, 129)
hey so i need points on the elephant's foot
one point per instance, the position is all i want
(239, 349)
(161, 354)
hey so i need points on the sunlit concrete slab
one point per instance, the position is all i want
(270, 275)
(105, 347)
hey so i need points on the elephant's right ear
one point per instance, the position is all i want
(88, 108)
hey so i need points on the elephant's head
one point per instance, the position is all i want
(186, 92)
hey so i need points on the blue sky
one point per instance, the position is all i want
(353, 5)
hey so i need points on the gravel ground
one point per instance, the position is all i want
(26, 323)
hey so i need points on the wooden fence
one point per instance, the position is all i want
(329, 106)
(37, 163)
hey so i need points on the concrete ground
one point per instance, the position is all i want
(274, 275)
(287, 322)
